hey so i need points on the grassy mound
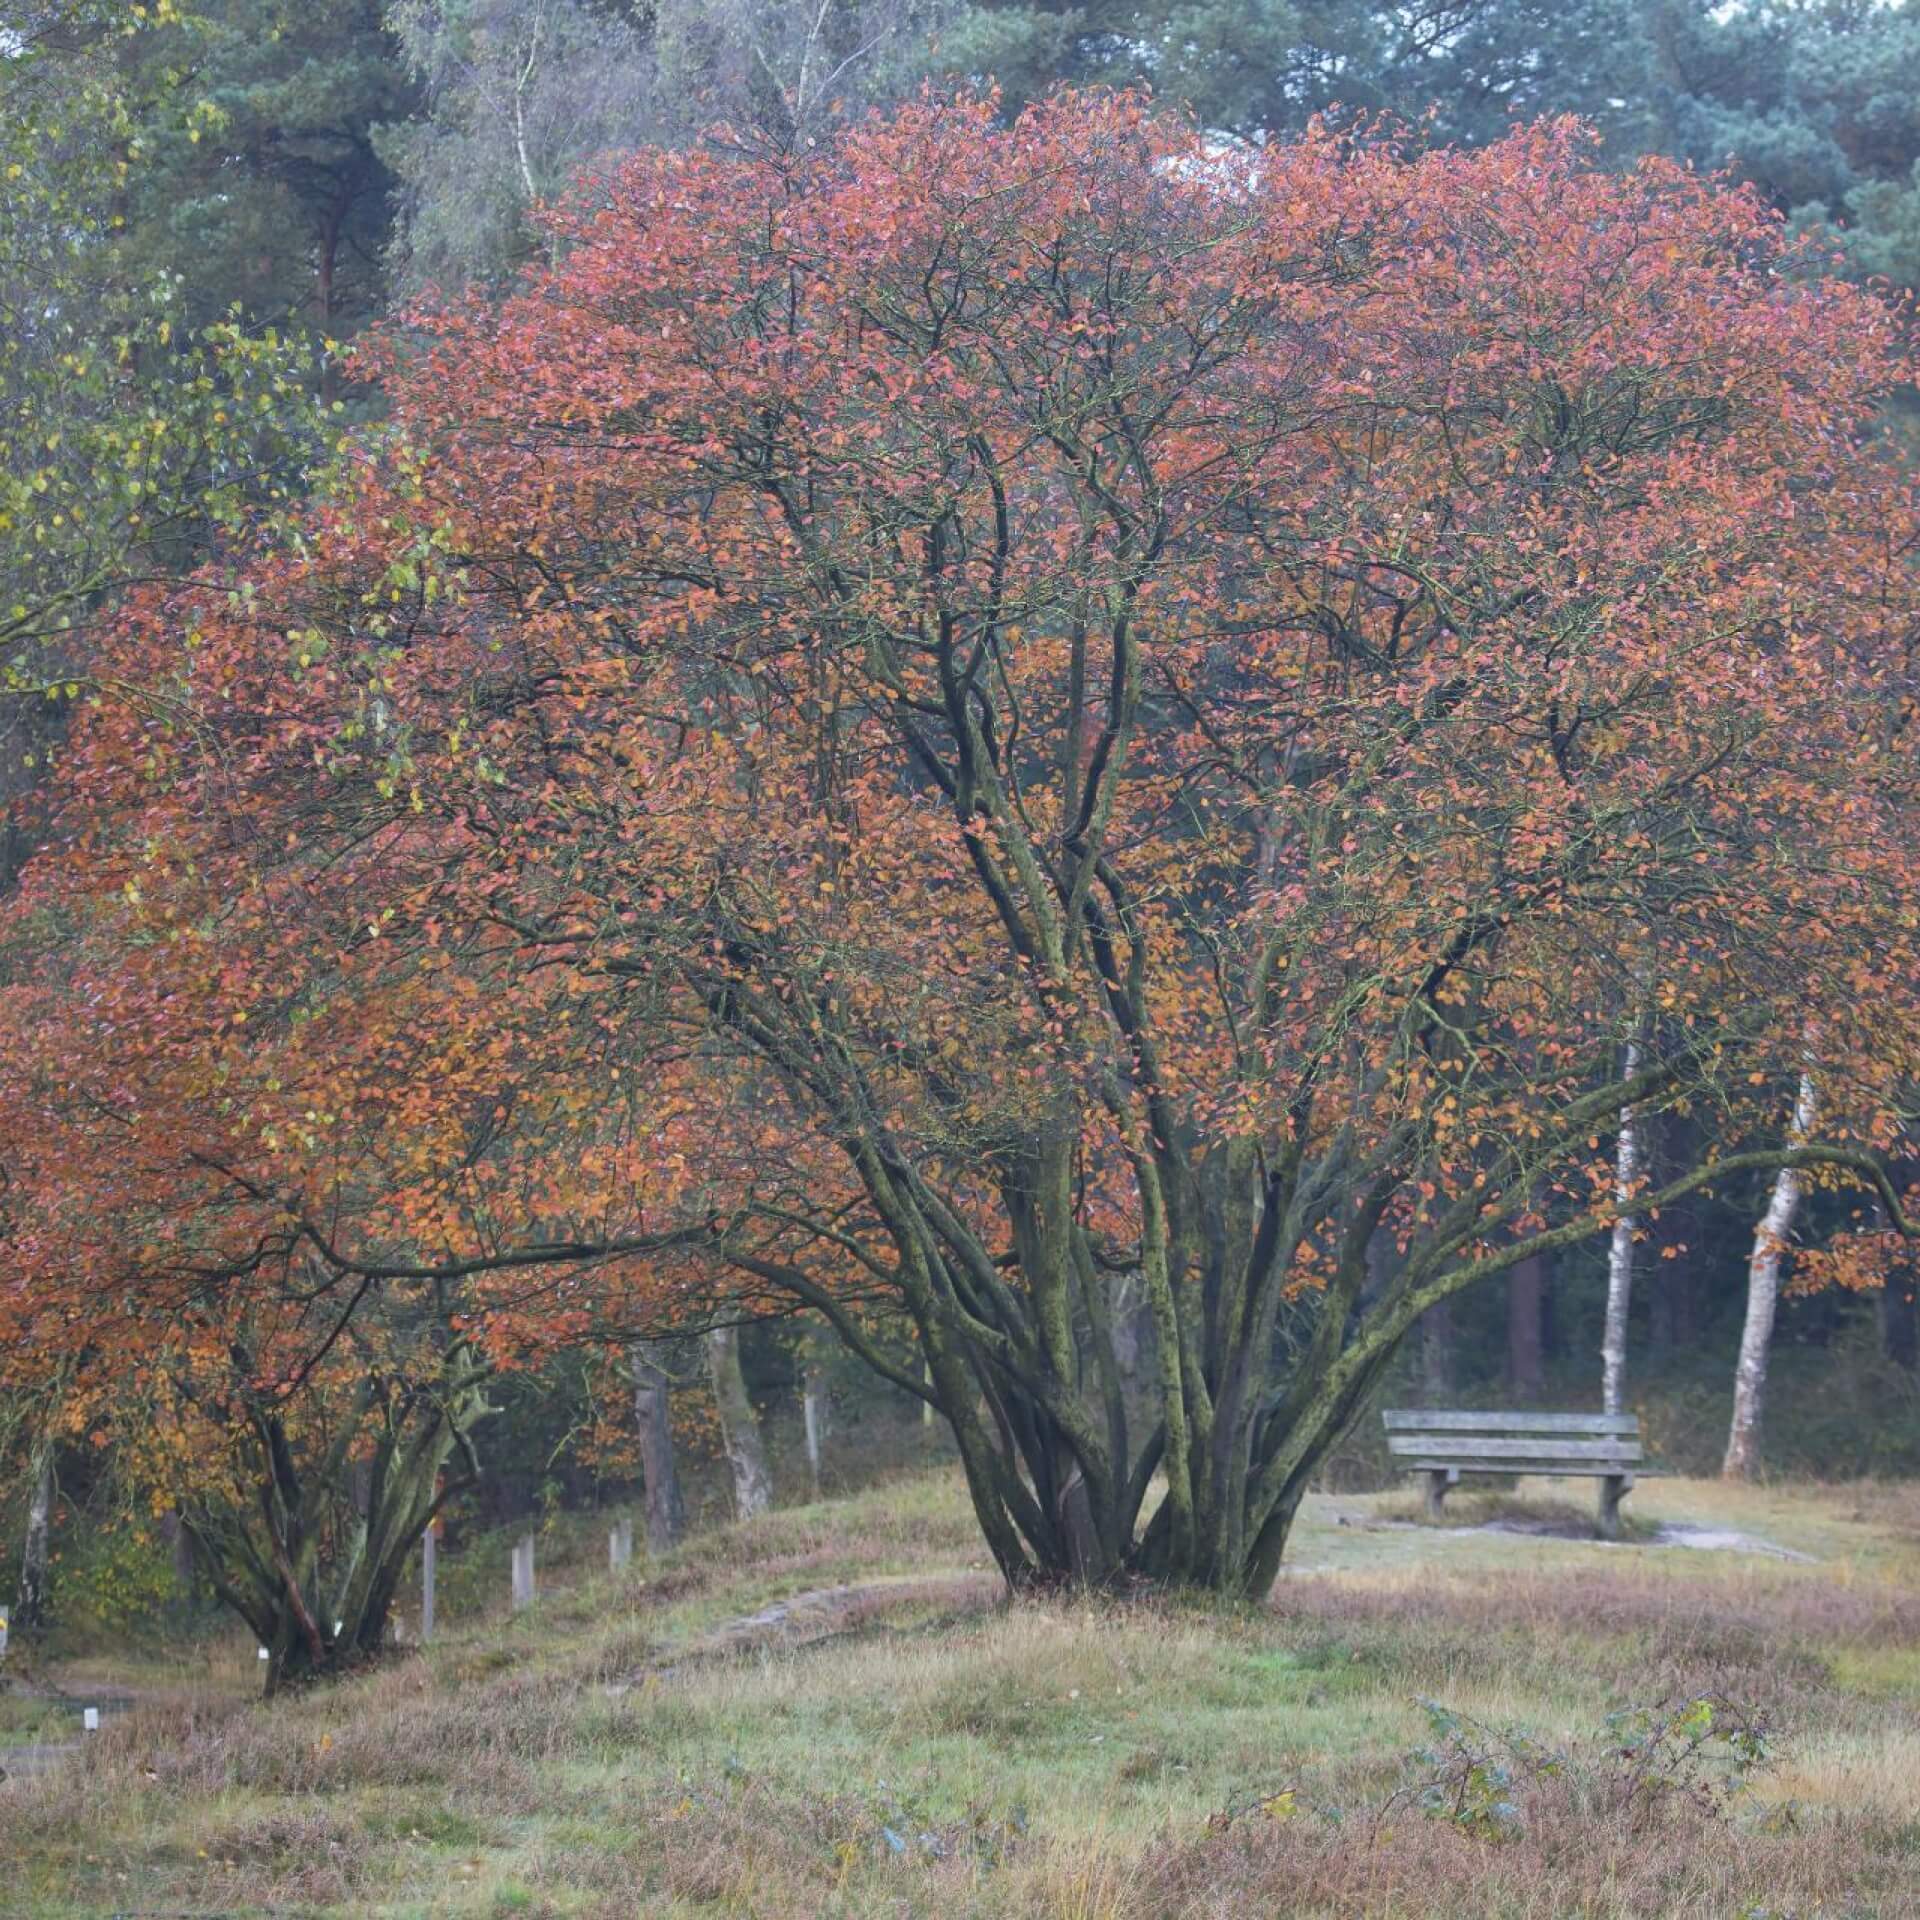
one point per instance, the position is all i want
(829, 1712)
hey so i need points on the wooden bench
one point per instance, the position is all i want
(1443, 1446)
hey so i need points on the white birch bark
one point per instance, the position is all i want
(31, 1606)
(1763, 1297)
(813, 1407)
(1626, 1174)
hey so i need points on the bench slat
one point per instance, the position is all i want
(1462, 1446)
(1531, 1469)
(1420, 1420)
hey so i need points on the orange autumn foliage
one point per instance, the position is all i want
(986, 717)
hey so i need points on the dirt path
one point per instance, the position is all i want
(820, 1614)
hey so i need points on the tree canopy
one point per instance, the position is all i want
(935, 723)
(133, 424)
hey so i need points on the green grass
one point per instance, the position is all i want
(27, 1719)
(618, 1751)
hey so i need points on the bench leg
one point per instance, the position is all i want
(1438, 1481)
(1612, 1489)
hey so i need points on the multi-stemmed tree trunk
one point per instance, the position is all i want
(313, 1574)
(1763, 1298)
(739, 1427)
(1084, 716)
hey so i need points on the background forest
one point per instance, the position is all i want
(203, 203)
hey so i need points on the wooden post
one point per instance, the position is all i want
(429, 1568)
(523, 1574)
(620, 1543)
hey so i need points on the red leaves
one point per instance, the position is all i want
(886, 655)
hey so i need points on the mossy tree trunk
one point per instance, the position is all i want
(653, 1417)
(739, 1430)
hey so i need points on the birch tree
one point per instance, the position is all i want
(1626, 1177)
(1770, 1243)
(33, 1596)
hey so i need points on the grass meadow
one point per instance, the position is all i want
(827, 1712)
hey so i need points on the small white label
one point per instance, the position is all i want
(336, 1629)
(263, 1653)
(90, 1719)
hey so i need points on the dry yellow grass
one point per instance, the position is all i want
(615, 1753)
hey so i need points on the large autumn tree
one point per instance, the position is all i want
(985, 717)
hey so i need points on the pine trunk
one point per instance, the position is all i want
(1526, 1329)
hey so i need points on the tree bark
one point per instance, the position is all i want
(179, 1549)
(653, 1414)
(739, 1431)
(1436, 1324)
(1626, 1176)
(1763, 1296)
(1526, 1333)
(1899, 1329)
(32, 1605)
(814, 1406)
(314, 1577)
(332, 225)
(1436, 1354)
